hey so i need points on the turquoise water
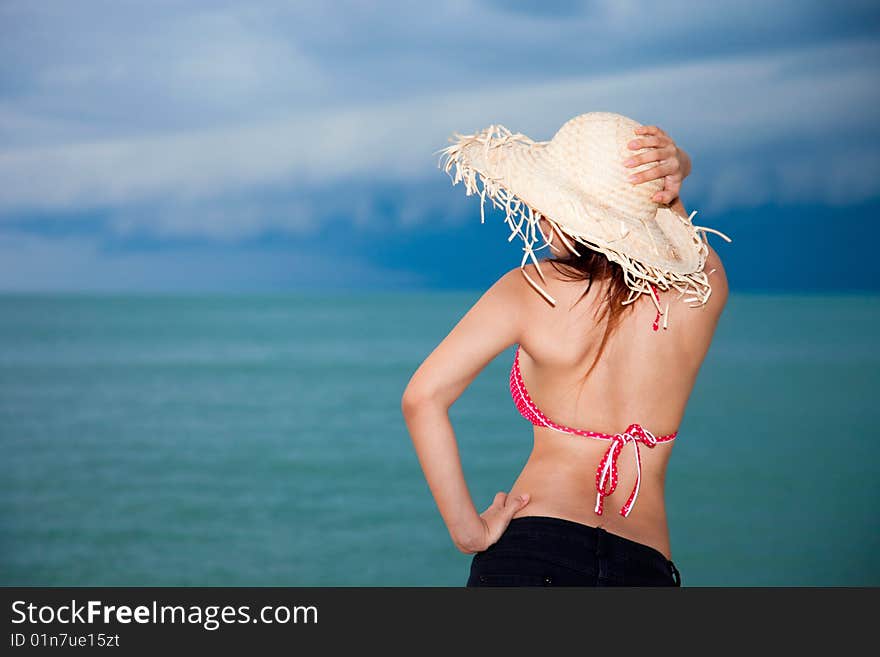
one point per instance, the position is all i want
(259, 441)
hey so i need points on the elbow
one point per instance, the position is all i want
(418, 397)
(414, 398)
(466, 547)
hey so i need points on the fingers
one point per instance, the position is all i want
(649, 142)
(653, 155)
(510, 505)
(660, 171)
(516, 504)
(499, 514)
(649, 130)
(670, 191)
(663, 151)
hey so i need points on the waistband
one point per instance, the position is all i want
(587, 536)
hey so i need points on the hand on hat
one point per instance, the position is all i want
(673, 166)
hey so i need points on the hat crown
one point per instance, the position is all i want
(593, 148)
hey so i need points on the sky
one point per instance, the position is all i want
(272, 146)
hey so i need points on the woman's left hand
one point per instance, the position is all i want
(674, 165)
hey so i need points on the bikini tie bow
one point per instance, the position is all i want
(606, 473)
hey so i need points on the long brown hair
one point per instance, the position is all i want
(591, 266)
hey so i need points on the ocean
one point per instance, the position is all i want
(258, 441)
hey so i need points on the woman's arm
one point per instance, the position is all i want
(489, 327)
(674, 165)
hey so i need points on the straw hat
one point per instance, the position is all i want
(577, 182)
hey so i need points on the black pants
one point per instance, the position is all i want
(545, 551)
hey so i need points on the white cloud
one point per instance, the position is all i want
(725, 108)
(126, 68)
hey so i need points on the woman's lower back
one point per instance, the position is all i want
(560, 478)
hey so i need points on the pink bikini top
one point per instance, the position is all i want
(606, 473)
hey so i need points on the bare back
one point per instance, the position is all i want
(643, 376)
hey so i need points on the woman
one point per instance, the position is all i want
(604, 386)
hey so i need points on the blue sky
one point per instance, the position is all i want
(280, 145)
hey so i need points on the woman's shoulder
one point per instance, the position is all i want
(517, 284)
(717, 275)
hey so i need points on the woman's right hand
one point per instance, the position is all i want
(673, 164)
(495, 520)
